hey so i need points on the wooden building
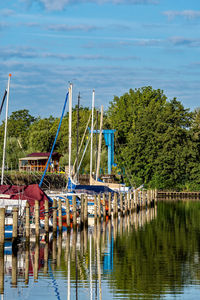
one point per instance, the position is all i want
(36, 162)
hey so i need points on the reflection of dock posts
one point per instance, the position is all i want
(67, 247)
(81, 242)
(59, 249)
(14, 270)
(104, 233)
(85, 230)
(82, 211)
(60, 215)
(109, 205)
(74, 240)
(125, 223)
(36, 260)
(15, 225)
(46, 257)
(115, 221)
(121, 226)
(109, 230)
(99, 206)
(27, 222)
(121, 204)
(2, 225)
(98, 262)
(54, 217)
(67, 214)
(126, 203)
(104, 206)
(95, 208)
(46, 218)
(2, 267)
(86, 211)
(74, 211)
(54, 252)
(37, 220)
(27, 264)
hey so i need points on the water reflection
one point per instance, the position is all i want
(143, 255)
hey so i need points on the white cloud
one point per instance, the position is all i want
(62, 4)
(188, 14)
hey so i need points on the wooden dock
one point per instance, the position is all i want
(170, 195)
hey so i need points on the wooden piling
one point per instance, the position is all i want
(37, 220)
(2, 268)
(2, 225)
(121, 204)
(132, 201)
(99, 205)
(115, 212)
(126, 203)
(67, 213)
(54, 217)
(86, 211)
(15, 224)
(46, 216)
(27, 264)
(109, 205)
(60, 215)
(143, 198)
(36, 260)
(74, 211)
(95, 207)
(104, 206)
(27, 222)
(82, 210)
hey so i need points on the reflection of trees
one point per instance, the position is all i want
(162, 256)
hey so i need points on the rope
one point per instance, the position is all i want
(54, 141)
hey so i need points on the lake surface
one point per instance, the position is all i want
(150, 255)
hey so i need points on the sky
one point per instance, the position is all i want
(106, 45)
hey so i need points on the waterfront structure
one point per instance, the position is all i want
(37, 161)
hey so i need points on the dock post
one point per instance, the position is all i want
(86, 211)
(115, 212)
(99, 206)
(109, 205)
(156, 196)
(27, 263)
(60, 215)
(15, 224)
(67, 213)
(54, 217)
(132, 201)
(27, 223)
(82, 211)
(95, 208)
(126, 203)
(121, 204)
(74, 211)
(104, 206)
(46, 216)
(37, 220)
(2, 267)
(2, 225)
(143, 198)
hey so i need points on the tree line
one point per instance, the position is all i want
(157, 141)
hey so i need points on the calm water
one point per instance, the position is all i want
(150, 255)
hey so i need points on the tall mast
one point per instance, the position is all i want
(92, 129)
(5, 133)
(70, 127)
(100, 141)
(77, 173)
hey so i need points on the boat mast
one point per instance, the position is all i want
(5, 133)
(100, 141)
(70, 127)
(92, 129)
(77, 172)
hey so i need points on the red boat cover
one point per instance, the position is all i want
(30, 193)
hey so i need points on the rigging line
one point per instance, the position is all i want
(54, 141)
(3, 100)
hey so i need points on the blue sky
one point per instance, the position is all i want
(106, 45)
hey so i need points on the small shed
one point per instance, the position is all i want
(37, 161)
